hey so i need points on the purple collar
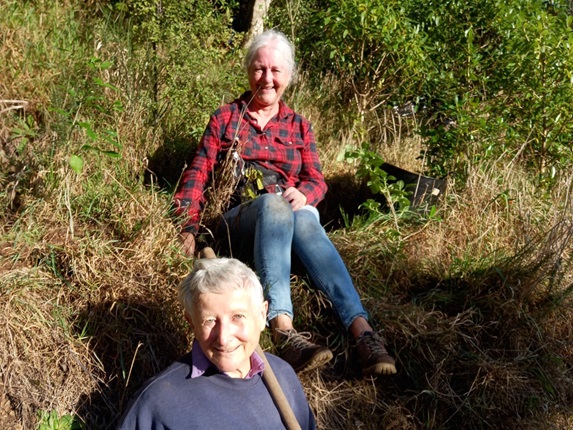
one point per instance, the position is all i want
(201, 363)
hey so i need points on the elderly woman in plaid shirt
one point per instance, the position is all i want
(275, 147)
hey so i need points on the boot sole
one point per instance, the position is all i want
(317, 360)
(380, 369)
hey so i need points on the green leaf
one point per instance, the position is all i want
(111, 137)
(101, 83)
(89, 131)
(111, 154)
(76, 163)
(89, 148)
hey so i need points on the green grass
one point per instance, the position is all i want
(52, 421)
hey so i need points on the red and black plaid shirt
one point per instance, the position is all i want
(286, 145)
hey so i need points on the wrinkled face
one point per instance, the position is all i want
(268, 76)
(228, 327)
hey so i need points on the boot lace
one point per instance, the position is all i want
(374, 342)
(298, 340)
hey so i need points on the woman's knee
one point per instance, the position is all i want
(307, 223)
(273, 205)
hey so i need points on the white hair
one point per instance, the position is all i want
(280, 42)
(218, 275)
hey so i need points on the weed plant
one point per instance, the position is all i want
(101, 105)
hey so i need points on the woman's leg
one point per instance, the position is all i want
(328, 272)
(265, 225)
(325, 267)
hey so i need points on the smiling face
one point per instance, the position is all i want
(269, 75)
(228, 327)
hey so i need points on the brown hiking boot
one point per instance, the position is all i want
(373, 356)
(296, 349)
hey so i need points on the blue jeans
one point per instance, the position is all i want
(268, 230)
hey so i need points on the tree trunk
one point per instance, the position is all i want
(260, 10)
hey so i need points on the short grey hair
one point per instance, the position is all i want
(218, 275)
(282, 44)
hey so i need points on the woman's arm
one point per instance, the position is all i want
(189, 200)
(311, 179)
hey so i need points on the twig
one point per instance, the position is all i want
(20, 104)
(139, 344)
(14, 101)
(12, 108)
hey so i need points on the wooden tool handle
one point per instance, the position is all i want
(277, 394)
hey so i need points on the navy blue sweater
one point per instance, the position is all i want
(174, 401)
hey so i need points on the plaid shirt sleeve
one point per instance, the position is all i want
(310, 178)
(189, 200)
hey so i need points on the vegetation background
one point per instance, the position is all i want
(101, 104)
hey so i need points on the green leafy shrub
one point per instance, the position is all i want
(503, 74)
(53, 421)
(374, 48)
(193, 59)
(495, 77)
(379, 182)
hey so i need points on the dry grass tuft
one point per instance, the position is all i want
(356, 404)
(43, 365)
(90, 310)
(476, 306)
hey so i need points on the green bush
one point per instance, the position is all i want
(374, 48)
(495, 77)
(503, 73)
(52, 421)
(193, 57)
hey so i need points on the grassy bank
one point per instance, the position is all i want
(474, 302)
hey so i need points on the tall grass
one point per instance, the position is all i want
(475, 303)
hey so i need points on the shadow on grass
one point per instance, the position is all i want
(484, 347)
(167, 163)
(133, 340)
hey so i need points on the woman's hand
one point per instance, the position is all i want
(187, 243)
(296, 199)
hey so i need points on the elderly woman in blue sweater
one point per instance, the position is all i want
(219, 384)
